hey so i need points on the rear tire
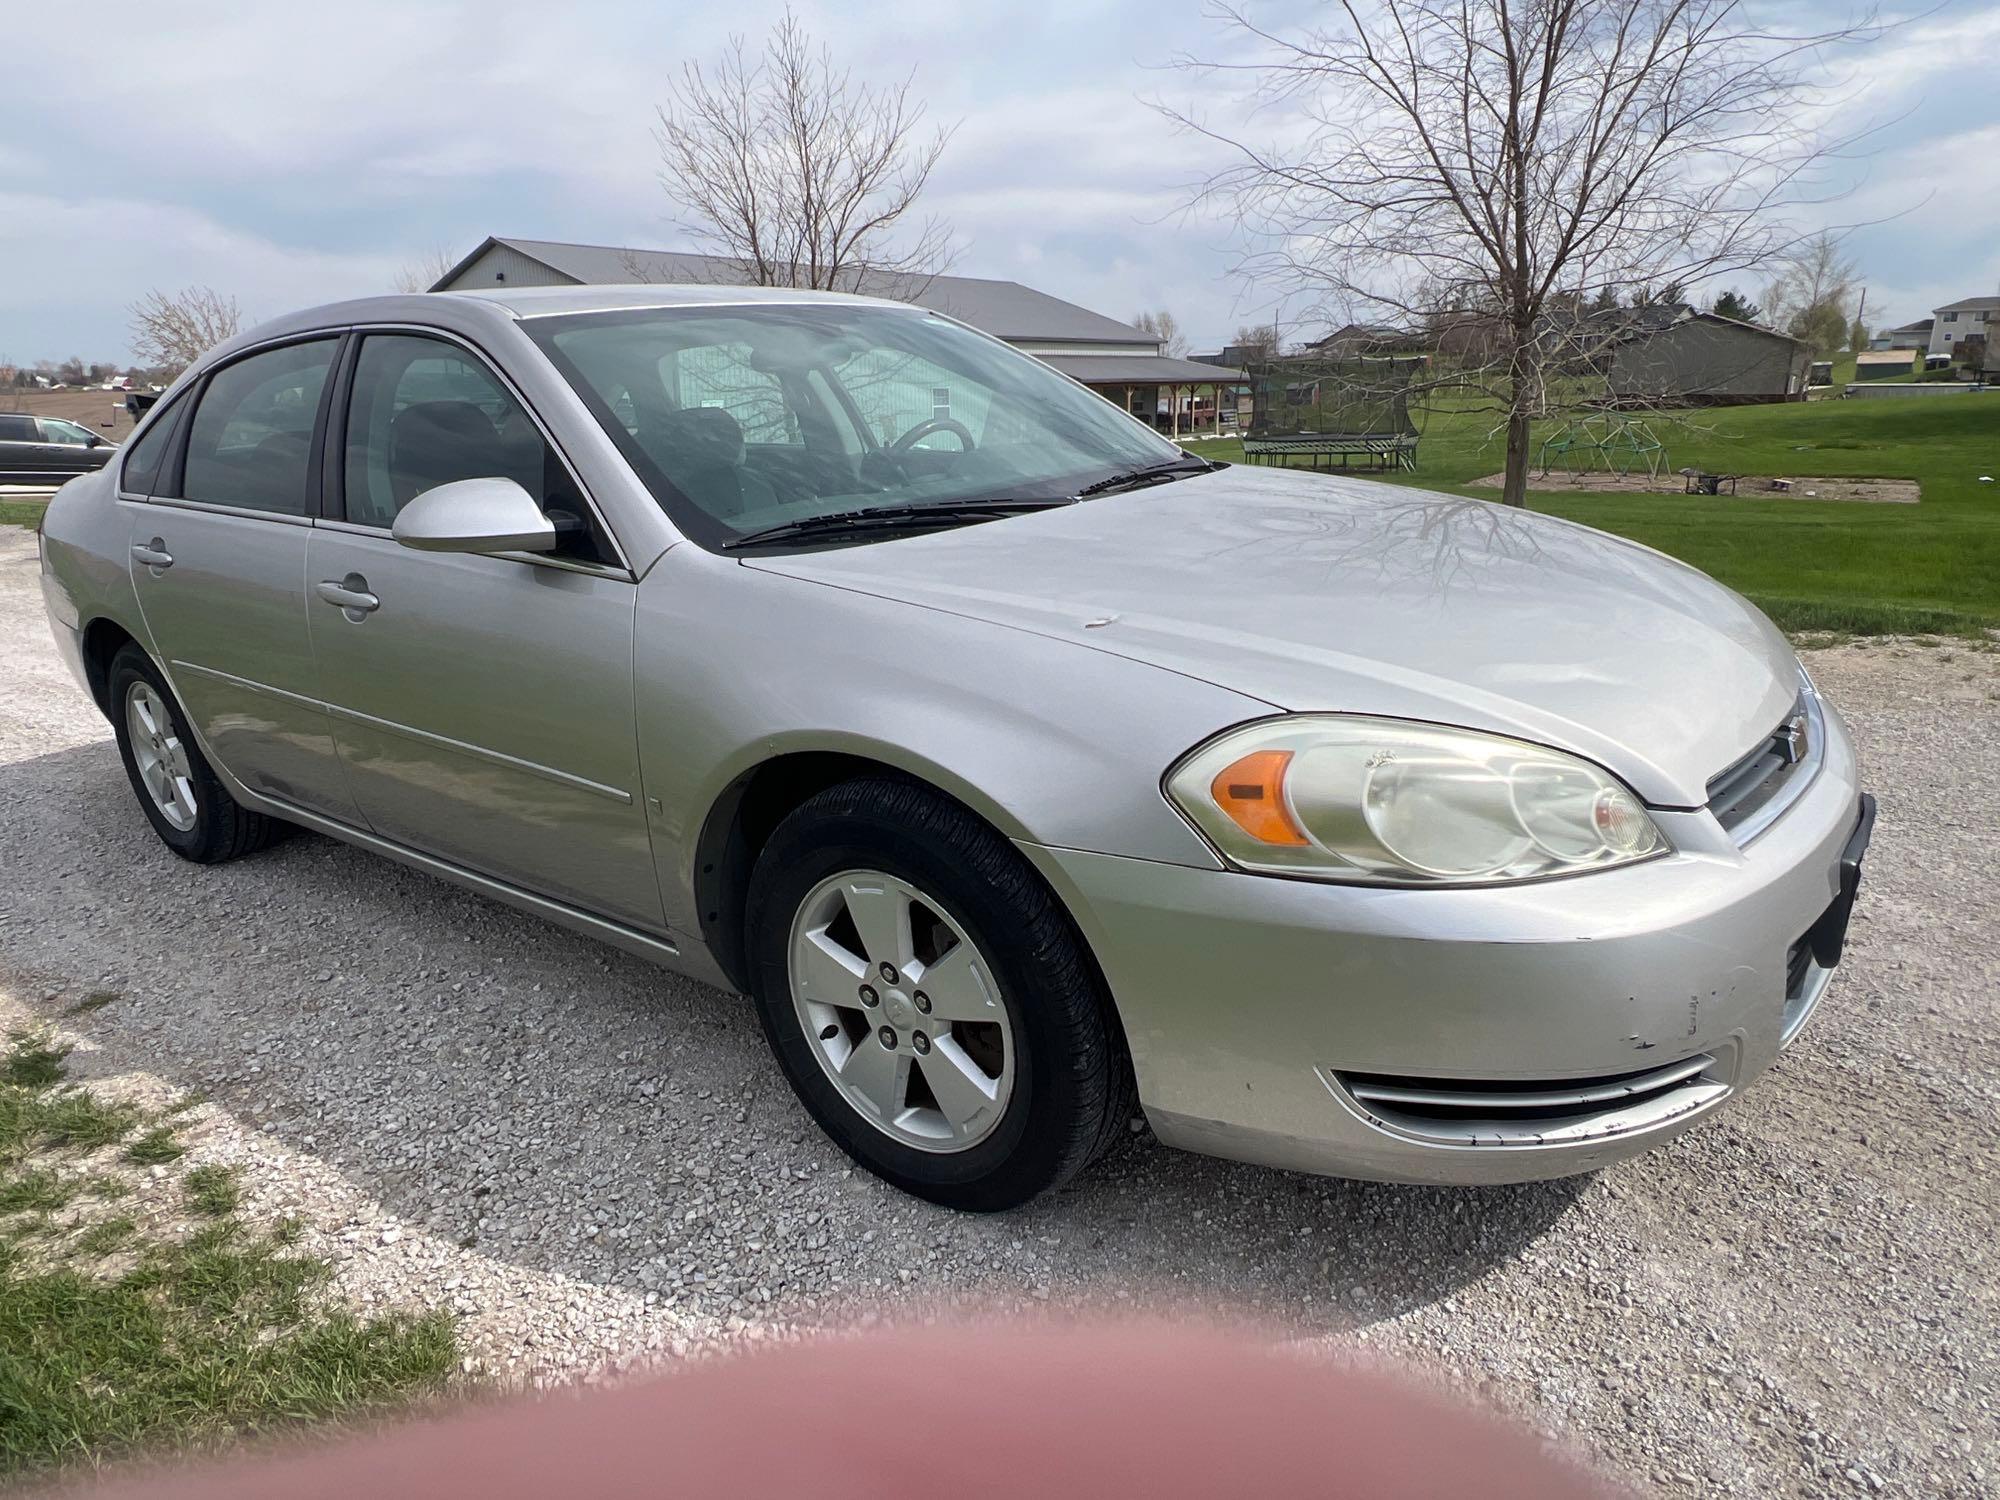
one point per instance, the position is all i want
(179, 792)
(1038, 1034)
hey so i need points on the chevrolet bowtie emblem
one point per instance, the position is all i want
(1794, 740)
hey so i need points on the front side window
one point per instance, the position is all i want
(425, 412)
(250, 442)
(69, 434)
(740, 419)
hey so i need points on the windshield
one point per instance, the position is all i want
(744, 419)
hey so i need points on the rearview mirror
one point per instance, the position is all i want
(474, 515)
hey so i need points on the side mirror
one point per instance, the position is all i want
(95, 441)
(474, 515)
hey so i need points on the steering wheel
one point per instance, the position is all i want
(928, 426)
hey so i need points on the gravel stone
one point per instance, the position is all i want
(596, 1165)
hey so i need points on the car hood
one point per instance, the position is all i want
(1315, 593)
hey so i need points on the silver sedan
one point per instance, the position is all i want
(1015, 762)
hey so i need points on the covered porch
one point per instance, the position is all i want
(1179, 397)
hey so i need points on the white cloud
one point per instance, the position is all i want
(291, 153)
(64, 255)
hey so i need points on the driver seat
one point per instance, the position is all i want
(701, 450)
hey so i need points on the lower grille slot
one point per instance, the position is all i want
(1511, 1112)
(1456, 1099)
(1798, 969)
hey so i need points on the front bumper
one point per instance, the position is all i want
(1416, 1035)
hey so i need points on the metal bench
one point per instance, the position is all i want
(1380, 450)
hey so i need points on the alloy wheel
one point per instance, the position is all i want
(902, 1011)
(160, 755)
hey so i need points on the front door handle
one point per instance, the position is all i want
(351, 594)
(153, 554)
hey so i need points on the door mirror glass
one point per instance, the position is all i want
(474, 515)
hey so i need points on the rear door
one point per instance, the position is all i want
(483, 704)
(218, 559)
(23, 455)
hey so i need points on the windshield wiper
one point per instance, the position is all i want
(1151, 474)
(895, 518)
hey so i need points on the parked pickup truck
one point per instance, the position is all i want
(48, 450)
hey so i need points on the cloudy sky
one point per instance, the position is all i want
(291, 154)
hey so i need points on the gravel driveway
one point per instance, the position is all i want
(593, 1161)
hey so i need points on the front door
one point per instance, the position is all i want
(71, 450)
(483, 705)
(218, 560)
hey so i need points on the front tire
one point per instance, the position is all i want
(179, 792)
(930, 1002)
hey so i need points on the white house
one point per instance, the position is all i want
(1915, 335)
(1957, 319)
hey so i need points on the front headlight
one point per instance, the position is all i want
(1389, 802)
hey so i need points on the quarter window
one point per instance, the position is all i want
(424, 413)
(250, 443)
(142, 458)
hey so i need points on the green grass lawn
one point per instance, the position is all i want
(26, 513)
(139, 1310)
(1859, 568)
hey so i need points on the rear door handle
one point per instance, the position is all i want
(153, 554)
(351, 594)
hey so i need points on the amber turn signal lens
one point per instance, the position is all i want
(1252, 792)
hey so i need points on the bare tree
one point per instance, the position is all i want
(427, 270)
(1258, 343)
(784, 164)
(1516, 152)
(171, 330)
(1809, 298)
(1165, 327)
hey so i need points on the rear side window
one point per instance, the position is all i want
(142, 458)
(250, 440)
(19, 430)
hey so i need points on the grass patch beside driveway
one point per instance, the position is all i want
(26, 514)
(138, 1310)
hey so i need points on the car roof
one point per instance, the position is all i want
(470, 311)
(554, 301)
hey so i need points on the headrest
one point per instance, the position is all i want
(703, 434)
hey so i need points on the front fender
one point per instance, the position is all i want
(1052, 743)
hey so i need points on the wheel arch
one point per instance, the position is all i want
(743, 816)
(103, 638)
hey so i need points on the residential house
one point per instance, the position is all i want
(1358, 340)
(1915, 335)
(1671, 354)
(1956, 321)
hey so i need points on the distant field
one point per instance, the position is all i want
(1867, 569)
